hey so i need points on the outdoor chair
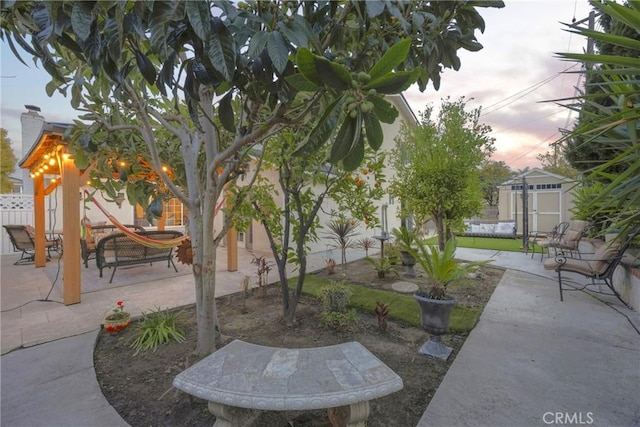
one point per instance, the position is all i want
(570, 240)
(598, 268)
(557, 233)
(22, 238)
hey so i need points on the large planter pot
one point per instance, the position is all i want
(435, 320)
(408, 261)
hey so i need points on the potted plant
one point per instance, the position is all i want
(440, 269)
(117, 319)
(406, 240)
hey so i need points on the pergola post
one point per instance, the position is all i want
(39, 214)
(71, 280)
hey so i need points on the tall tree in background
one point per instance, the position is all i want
(555, 162)
(158, 82)
(437, 166)
(7, 162)
(613, 130)
(491, 174)
(582, 152)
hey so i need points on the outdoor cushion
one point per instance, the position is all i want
(504, 228)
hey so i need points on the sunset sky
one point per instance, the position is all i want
(510, 78)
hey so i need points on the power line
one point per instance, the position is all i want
(524, 92)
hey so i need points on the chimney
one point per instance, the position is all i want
(32, 124)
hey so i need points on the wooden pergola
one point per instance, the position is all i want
(50, 156)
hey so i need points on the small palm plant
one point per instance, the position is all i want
(365, 244)
(342, 230)
(440, 267)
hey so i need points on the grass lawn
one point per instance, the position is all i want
(510, 245)
(401, 307)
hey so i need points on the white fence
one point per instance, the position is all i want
(14, 209)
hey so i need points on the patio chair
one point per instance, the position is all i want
(598, 268)
(557, 233)
(22, 239)
(569, 241)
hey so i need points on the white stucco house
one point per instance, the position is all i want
(34, 127)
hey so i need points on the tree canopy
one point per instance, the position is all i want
(437, 166)
(612, 128)
(7, 162)
(176, 95)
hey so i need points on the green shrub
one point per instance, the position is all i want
(335, 300)
(158, 327)
(382, 266)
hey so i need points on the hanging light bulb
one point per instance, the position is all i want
(46, 156)
(52, 161)
(32, 175)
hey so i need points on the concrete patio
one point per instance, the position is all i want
(531, 360)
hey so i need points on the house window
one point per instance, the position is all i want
(174, 212)
(548, 186)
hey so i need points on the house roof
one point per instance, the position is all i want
(50, 136)
(536, 172)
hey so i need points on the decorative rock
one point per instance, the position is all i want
(404, 287)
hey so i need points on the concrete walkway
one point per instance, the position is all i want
(529, 356)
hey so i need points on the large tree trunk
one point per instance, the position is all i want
(204, 272)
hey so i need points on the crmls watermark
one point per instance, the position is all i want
(568, 418)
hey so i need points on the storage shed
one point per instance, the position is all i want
(549, 199)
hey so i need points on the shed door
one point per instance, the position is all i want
(544, 209)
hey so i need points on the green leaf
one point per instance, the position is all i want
(323, 129)
(146, 67)
(51, 87)
(391, 59)
(81, 18)
(383, 110)
(394, 83)
(222, 50)
(278, 51)
(332, 75)
(344, 140)
(257, 44)
(306, 65)
(225, 112)
(354, 158)
(297, 38)
(374, 8)
(321, 71)
(373, 130)
(301, 84)
(113, 34)
(199, 18)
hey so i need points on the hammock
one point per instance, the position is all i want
(143, 240)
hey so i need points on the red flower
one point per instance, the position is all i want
(120, 303)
